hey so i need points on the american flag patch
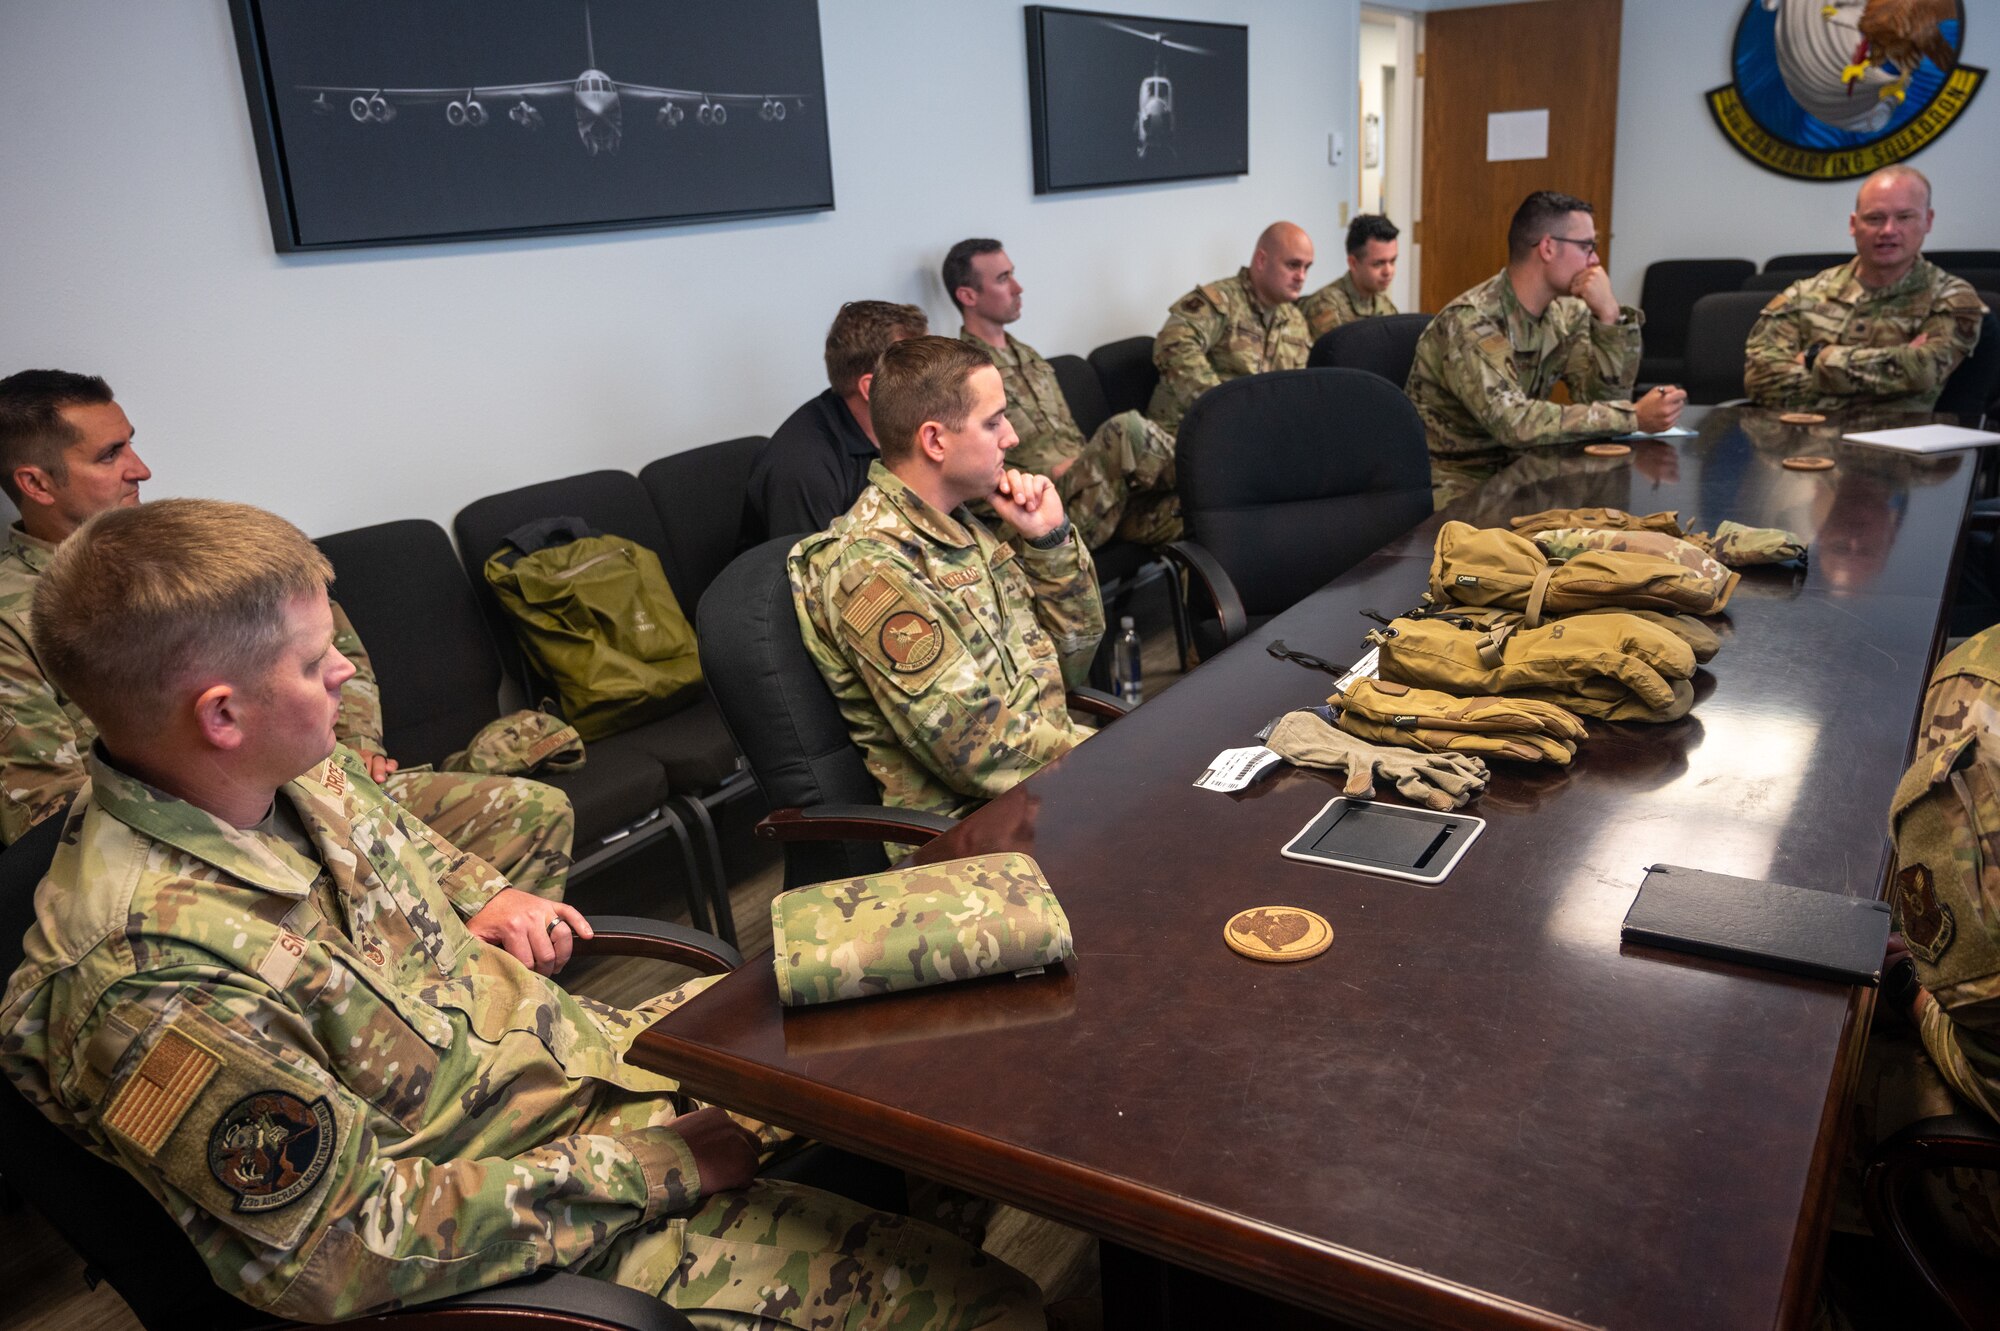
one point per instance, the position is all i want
(872, 604)
(155, 1099)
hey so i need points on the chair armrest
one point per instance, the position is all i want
(1096, 702)
(638, 936)
(1202, 567)
(854, 822)
(1984, 515)
(1896, 1209)
(549, 1301)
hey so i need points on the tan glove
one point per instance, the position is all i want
(1491, 567)
(1614, 666)
(1436, 780)
(1700, 638)
(1733, 544)
(1384, 712)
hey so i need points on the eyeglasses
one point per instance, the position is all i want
(1589, 246)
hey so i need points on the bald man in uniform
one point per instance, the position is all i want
(1240, 325)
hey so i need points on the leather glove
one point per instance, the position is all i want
(1384, 712)
(1436, 780)
(1493, 567)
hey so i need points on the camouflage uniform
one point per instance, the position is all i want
(1868, 359)
(1221, 331)
(1339, 303)
(350, 1102)
(949, 651)
(1484, 370)
(1120, 481)
(524, 828)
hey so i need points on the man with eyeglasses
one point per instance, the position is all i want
(1884, 329)
(1486, 366)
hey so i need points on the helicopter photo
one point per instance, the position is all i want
(1155, 124)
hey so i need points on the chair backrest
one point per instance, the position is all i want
(613, 502)
(1125, 368)
(698, 496)
(1386, 346)
(1291, 478)
(1808, 263)
(779, 710)
(1083, 391)
(1953, 260)
(1973, 386)
(1771, 281)
(102, 1212)
(434, 657)
(1718, 329)
(1671, 288)
(1981, 279)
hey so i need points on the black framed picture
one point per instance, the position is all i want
(1117, 99)
(388, 122)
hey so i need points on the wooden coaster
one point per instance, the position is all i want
(1808, 463)
(1802, 418)
(1607, 450)
(1278, 933)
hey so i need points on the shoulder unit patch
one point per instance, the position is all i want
(270, 1147)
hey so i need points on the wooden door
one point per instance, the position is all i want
(1558, 54)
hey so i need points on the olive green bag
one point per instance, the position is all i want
(598, 621)
(907, 928)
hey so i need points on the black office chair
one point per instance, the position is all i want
(1386, 346)
(1667, 295)
(127, 1238)
(826, 808)
(1806, 263)
(439, 672)
(1288, 480)
(1126, 370)
(703, 767)
(1771, 282)
(698, 495)
(1972, 388)
(1964, 1283)
(1718, 330)
(1083, 391)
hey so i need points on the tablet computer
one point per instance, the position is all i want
(1416, 844)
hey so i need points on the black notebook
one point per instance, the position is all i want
(1808, 932)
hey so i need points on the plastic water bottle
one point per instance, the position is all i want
(1125, 674)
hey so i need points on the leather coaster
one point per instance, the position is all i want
(1277, 933)
(1802, 418)
(1607, 450)
(1808, 463)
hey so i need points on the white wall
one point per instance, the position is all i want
(1683, 192)
(351, 388)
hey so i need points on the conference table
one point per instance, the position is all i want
(1477, 1108)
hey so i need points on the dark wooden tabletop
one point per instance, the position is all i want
(1476, 1108)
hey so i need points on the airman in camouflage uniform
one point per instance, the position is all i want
(316, 1039)
(1246, 324)
(522, 827)
(1119, 482)
(1362, 292)
(1868, 353)
(949, 651)
(1885, 329)
(1487, 364)
(1484, 371)
(1339, 303)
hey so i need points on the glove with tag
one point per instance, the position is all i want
(1435, 780)
(1384, 712)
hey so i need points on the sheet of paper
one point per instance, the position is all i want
(1671, 432)
(1234, 769)
(1925, 438)
(1517, 136)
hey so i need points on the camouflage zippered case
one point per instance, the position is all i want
(907, 928)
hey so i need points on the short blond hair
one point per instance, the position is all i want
(139, 603)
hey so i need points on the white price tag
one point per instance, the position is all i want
(1234, 769)
(1365, 668)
